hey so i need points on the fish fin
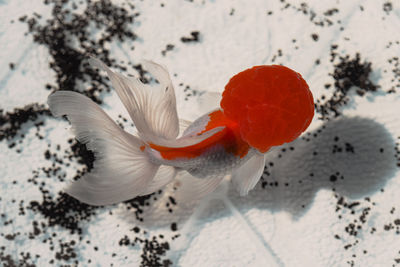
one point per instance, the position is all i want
(192, 140)
(191, 189)
(246, 176)
(183, 124)
(152, 108)
(121, 170)
(198, 125)
(164, 176)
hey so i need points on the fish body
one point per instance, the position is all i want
(261, 107)
(220, 153)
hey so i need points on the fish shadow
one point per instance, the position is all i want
(351, 156)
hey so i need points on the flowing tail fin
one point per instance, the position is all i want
(121, 170)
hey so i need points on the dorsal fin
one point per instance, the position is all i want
(152, 108)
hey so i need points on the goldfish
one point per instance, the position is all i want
(262, 107)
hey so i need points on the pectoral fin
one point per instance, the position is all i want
(190, 189)
(246, 177)
(165, 175)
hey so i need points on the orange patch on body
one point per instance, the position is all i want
(229, 138)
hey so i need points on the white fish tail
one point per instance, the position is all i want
(121, 170)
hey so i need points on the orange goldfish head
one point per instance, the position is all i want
(272, 105)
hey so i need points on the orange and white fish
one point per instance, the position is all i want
(261, 107)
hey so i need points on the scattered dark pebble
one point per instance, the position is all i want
(349, 73)
(12, 122)
(64, 211)
(387, 7)
(68, 58)
(174, 227)
(152, 252)
(194, 37)
(168, 48)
